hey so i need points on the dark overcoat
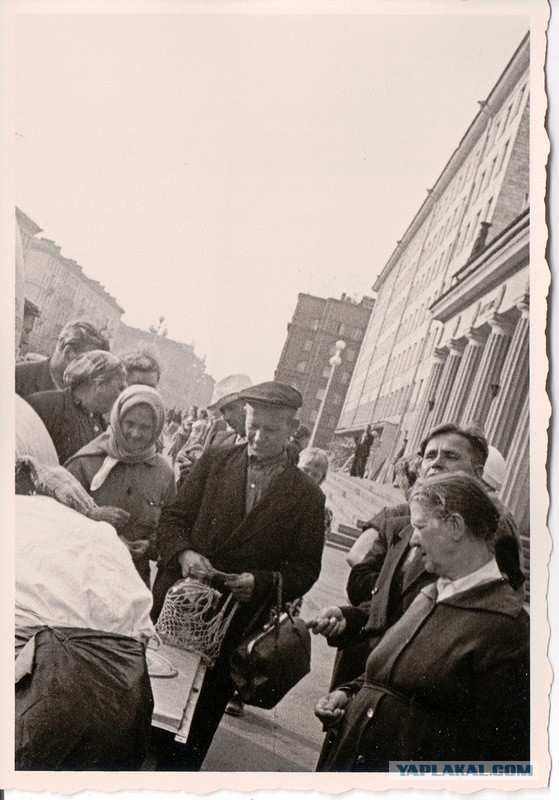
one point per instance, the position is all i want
(458, 689)
(33, 377)
(283, 532)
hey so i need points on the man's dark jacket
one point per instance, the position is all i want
(283, 532)
(33, 377)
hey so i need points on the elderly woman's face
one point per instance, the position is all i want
(108, 389)
(138, 428)
(431, 534)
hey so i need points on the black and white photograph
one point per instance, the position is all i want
(280, 395)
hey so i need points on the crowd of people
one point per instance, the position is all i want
(118, 498)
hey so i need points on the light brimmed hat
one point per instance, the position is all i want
(227, 390)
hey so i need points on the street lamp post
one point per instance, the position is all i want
(334, 362)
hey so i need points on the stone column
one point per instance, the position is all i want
(446, 383)
(505, 410)
(466, 373)
(486, 382)
(429, 396)
(516, 491)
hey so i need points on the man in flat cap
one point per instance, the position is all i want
(246, 510)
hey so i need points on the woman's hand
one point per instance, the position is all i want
(331, 708)
(328, 622)
(111, 514)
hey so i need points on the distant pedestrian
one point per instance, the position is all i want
(361, 454)
(301, 438)
(75, 338)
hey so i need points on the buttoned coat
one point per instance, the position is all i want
(453, 687)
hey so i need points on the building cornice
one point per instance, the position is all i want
(505, 255)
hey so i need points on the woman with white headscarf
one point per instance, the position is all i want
(125, 475)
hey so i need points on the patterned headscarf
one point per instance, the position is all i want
(113, 442)
(95, 364)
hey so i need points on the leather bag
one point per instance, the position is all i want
(269, 662)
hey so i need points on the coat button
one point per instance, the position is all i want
(375, 590)
(360, 759)
(370, 712)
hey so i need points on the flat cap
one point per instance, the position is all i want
(273, 393)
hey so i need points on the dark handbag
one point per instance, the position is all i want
(272, 660)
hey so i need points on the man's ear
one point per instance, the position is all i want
(478, 471)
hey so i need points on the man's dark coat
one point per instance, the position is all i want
(283, 532)
(33, 377)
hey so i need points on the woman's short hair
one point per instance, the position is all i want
(459, 493)
(316, 456)
(141, 361)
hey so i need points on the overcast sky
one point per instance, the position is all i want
(209, 167)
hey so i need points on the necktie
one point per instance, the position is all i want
(398, 636)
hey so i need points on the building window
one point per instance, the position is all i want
(320, 394)
(341, 327)
(326, 372)
(301, 366)
(313, 415)
(345, 377)
(337, 398)
(315, 324)
(308, 345)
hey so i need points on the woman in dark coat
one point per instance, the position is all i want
(450, 680)
(74, 416)
(125, 475)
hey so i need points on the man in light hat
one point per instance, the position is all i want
(226, 400)
(248, 511)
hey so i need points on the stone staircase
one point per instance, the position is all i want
(352, 502)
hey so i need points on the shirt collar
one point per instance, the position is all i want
(268, 462)
(448, 588)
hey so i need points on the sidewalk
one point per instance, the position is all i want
(289, 737)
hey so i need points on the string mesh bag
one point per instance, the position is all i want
(194, 618)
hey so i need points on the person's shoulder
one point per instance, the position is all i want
(306, 483)
(50, 397)
(224, 454)
(163, 466)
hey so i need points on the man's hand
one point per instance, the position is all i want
(194, 564)
(331, 708)
(329, 622)
(111, 514)
(241, 586)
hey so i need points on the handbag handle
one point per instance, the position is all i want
(278, 581)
